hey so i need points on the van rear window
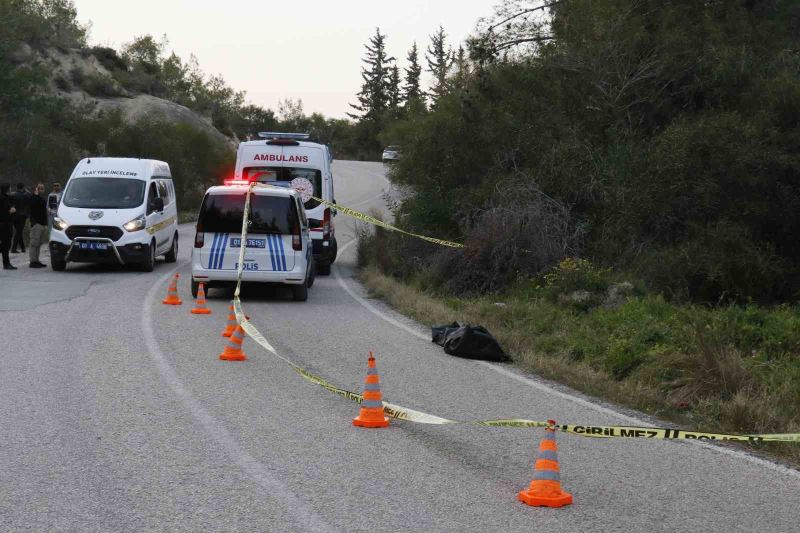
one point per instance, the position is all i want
(222, 213)
(283, 176)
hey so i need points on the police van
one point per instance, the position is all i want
(116, 210)
(278, 244)
(291, 160)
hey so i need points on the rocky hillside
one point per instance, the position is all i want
(82, 78)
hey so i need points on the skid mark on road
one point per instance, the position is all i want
(553, 391)
(303, 513)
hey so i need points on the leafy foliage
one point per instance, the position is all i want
(668, 131)
(440, 59)
(412, 90)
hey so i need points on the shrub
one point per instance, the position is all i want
(101, 85)
(109, 58)
(574, 274)
(522, 234)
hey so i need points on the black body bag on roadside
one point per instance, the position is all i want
(470, 342)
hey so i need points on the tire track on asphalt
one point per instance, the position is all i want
(303, 513)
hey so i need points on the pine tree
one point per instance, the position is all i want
(461, 68)
(412, 90)
(440, 59)
(373, 98)
(395, 93)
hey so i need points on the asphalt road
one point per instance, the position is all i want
(116, 415)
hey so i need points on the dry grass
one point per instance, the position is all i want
(710, 389)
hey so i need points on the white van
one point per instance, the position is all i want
(278, 247)
(116, 210)
(291, 160)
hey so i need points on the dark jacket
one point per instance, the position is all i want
(22, 202)
(38, 210)
(5, 205)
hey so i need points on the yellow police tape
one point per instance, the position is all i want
(372, 220)
(410, 415)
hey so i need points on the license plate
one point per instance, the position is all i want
(251, 243)
(93, 245)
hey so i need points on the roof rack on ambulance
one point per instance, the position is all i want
(279, 135)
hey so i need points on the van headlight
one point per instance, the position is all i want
(60, 224)
(136, 224)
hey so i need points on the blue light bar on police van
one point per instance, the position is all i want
(279, 135)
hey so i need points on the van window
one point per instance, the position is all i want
(283, 177)
(222, 213)
(151, 197)
(163, 192)
(104, 193)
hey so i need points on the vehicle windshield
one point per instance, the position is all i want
(392, 148)
(283, 177)
(222, 213)
(104, 193)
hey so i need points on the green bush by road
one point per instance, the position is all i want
(729, 369)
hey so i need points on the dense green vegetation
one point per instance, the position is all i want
(625, 175)
(732, 369)
(658, 138)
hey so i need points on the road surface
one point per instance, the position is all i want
(116, 415)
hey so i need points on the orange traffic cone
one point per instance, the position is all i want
(228, 331)
(371, 414)
(172, 292)
(545, 489)
(233, 350)
(200, 304)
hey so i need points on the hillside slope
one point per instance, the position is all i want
(80, 77)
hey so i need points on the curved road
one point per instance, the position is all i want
(115, 415)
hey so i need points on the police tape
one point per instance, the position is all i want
(372, 220)
(410, 415)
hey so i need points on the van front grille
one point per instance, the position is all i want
(103, 232)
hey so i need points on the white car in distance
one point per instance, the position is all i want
(391, 154)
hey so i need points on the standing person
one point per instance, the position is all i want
(7, 211)
(38, 212)
(21, 200)
(52, 203)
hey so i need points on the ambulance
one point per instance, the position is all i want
(292, 160)
(277, 249)
(116, 210)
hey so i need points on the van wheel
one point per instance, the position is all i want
(149, 264)
(300, 293)
(58, 266)
(195, 288)
(334, 250)
(312, 274)
(172, 255)
(324, 269)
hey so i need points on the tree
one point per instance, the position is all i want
(174, 77)
(462, 69)
(61, 16)
(395, 94)
(145, 53)
(373, 98)
(440, 59)
(411, 89)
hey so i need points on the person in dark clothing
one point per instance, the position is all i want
(38, 225)
(21, 200)
(7, 210)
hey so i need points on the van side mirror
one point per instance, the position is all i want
(158, 204)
